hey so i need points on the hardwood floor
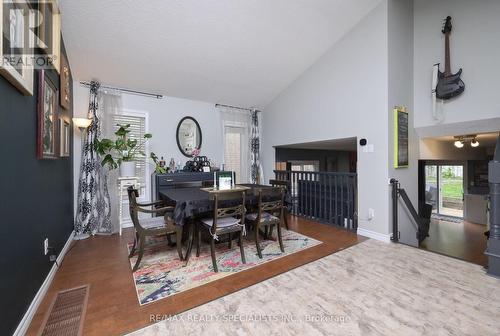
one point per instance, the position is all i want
(373, 288)
(113, 308)
(462, 240)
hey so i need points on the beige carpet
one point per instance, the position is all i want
(373, 288)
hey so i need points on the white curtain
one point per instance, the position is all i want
(238, 118)
(110, 104)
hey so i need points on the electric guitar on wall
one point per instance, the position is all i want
(449, 85)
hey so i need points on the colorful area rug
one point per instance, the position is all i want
(162, 274)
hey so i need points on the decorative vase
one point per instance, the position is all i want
(127, 169)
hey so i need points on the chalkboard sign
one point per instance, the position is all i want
(401, 158)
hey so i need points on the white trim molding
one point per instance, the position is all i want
(374, 235)
(22, 328)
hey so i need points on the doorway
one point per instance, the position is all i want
(444, 188)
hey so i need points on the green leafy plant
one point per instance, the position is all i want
(158, 169)
(122, 149)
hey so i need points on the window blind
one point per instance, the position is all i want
(137, 130)
(232, 151)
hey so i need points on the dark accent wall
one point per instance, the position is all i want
(329, 160)
(36, 202)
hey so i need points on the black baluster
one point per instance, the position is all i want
(330, 199)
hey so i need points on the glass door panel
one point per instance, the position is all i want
(451, 200)
(431, 187)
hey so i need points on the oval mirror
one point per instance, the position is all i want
(188, 136)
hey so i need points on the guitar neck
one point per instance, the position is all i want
(447, 63)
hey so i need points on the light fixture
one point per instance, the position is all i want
(82, 123)
(460, 140)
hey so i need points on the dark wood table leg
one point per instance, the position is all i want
(178, 240)
(189, 242)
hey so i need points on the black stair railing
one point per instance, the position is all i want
(421, 222)
(323, 196)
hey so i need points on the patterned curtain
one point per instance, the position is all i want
(93, 209)
(255, 167)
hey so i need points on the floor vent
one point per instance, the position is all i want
(67, 313)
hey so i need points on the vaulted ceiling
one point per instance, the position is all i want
(240, 52)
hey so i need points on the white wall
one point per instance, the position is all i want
(342, 95)
(164, 116)
(400, 42)
(474, 47)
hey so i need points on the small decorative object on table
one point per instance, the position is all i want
(159, 167)
(225, 180)
(198, 164)
(196, 151)
(171, 165)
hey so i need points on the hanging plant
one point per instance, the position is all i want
(122, 149)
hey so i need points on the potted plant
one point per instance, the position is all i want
(122, 152)
(159, 169)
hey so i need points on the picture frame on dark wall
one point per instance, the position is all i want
(64, 137)
(65, 83)
(49, 31)
(13, 46)
(47, 117)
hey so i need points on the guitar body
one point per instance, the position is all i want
(449, 86)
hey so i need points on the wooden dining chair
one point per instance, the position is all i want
(225, 220)
(152, 226)
(270, 212)
(286, 186)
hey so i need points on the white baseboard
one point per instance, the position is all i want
(374, 235)
(127, 225)
(22, 328)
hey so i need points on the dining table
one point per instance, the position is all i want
(193, 203)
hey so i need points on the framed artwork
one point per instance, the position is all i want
(47, 117)
(65, 83)
(14, 44)
(49, 31)
(64, 137)
(401, 138)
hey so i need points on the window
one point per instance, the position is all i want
(138, 122)
(235, 152)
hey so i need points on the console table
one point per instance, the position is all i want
(167, 181)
